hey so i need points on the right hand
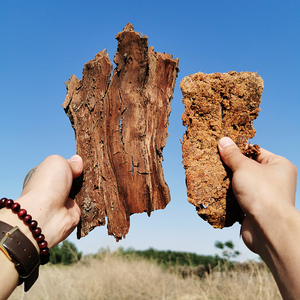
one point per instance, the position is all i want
(264, 189)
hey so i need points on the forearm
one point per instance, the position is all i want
(9, 277)
(265, 190)
(279, 248)
(8, 273)
(45, 197)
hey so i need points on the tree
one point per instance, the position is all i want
(64, 253)
(228, 251)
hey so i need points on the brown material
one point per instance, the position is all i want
(121, 130)
(217, 105)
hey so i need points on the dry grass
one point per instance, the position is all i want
(113, 277)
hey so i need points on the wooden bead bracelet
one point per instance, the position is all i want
(33, 226)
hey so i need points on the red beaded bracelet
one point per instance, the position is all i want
(33, 226)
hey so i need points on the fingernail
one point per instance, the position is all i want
(74, 158)
(225, 141)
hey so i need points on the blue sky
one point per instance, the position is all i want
(43, 43)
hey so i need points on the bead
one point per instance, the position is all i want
(22, 213)
(33, 224)
(43, 245)
(37, 232)
(44, 251)
(44, 256)
(2, 202)
(27, 219)
(45, 259)
(40, 238)
(15, 207)
(9, 203)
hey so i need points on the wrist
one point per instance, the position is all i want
(21, 252)
(12, 219)
(15, 215)
(275, 231)
(22, 241)
(279, 248)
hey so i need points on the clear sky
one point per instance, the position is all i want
(43, 42)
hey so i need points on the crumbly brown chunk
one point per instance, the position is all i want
(217, 105)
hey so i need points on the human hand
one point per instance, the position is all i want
(45, 196)
(265, 190)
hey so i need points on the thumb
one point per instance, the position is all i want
(231, 153)
(76, 165)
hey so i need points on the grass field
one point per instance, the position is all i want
(115, 277)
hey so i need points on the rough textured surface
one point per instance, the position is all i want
(217, 105)
(121, 129)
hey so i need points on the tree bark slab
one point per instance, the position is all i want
(121, 127)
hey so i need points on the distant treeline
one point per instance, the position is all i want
(66, 253)
(172, 258)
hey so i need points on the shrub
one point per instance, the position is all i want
(64, 253)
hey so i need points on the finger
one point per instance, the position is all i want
(76, 165)
(74, 214)
(231, 154)
(71, 204)
(264, 156)
(74, 210)
(247, 233)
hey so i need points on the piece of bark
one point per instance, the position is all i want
(217, 105)
(121, 129)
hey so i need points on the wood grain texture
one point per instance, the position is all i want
(121, 127)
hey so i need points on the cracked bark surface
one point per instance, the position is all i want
(120, 126)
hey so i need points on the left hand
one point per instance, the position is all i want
(46, 198)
